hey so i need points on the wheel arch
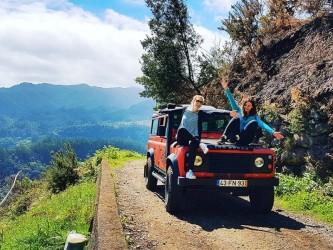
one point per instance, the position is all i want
(173, 162)
(150, 153)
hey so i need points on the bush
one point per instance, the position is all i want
(88, 170)
(306, 195)
(63, 169)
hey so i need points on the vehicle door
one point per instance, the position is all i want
(161, 143)
(158, 140)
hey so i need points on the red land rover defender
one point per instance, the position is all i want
(247, 170)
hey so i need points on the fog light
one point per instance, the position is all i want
(259, 162)
(198, 161)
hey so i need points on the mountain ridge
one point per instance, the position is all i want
(34, 111)
(55, 96)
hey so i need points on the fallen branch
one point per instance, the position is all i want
(4, 199)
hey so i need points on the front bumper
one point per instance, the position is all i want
(213, 182)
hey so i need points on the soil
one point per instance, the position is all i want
(208, 220)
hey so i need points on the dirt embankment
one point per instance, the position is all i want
(208, 220)
(294, 73)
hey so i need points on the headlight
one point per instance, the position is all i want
(259, 162)
(198, 161)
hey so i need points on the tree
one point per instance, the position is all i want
(243, 24)
(63, 169)
(282, 8)
(281, 15)
(313, 6)
(214, 64)
(168, 65)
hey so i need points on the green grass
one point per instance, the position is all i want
(306, 196)
(47, 223)
(116, 157)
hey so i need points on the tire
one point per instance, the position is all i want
(173, 192)
(262, 199)
(150, 180)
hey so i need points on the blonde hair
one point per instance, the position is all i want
(195, 98)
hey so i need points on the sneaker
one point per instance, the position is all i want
(190, 175)
(229, 143)
(222, 140)
(204, 148)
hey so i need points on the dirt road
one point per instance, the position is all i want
(208, 220)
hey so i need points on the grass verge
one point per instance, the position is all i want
(117, 158)
(47, 223)
(306, 196)
(38, 219)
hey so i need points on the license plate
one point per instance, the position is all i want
(232, 183)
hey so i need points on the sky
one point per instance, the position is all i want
(96, 42)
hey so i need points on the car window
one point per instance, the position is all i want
(215, 123)
(154, 127)
(159, 125)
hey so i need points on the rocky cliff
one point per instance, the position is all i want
(295, 80)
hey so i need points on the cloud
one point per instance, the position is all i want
(58, 42)
(211, 38)
(122, 22)
(64, 44)
(220, 6)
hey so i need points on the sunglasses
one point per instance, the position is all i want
(199, 101)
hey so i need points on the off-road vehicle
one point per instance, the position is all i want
(240, 170)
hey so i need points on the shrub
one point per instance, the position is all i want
(297, 116)
(269, 112)
(296, 119)
(63, 169)
(88, 170)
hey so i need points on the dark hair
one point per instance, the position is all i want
(253, 111)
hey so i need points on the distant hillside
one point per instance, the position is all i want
(28, 99)
(35, 111)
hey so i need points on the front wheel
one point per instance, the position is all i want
(173, 192)
(262, 199)
(150, 180)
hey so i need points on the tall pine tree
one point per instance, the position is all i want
(169, 63)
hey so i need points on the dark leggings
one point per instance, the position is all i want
(185, 138)
(246, 136)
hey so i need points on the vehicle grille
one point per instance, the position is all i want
(228, 163)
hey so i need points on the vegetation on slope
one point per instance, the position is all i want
(33, 157)
(45, 211)
(306, 195)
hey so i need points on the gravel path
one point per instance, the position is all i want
(208, 220)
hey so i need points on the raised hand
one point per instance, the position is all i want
(224, 82)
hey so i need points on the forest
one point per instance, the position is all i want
(33, 158)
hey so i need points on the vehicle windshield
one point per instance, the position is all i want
(215, 123)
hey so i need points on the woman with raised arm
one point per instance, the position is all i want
(242, 127)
